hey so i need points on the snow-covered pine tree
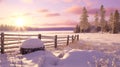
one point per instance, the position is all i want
(119, 22)
(96, 22)
(115, 25)
(111, 21)
(77, 29)
(102, 19)
(84, 25)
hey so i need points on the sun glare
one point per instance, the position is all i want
(20, 22)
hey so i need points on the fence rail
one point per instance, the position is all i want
(13, 41)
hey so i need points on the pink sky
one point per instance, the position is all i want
(53, 13)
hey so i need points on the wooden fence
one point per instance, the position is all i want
(11, 42)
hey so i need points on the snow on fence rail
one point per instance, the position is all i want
(11, 42)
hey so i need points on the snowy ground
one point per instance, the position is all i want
(93, 50)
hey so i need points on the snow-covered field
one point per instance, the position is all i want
(92, 50)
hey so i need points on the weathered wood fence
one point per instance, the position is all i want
(11, 42)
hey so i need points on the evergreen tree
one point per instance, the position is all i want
(77, 29)
(84, 25)
(4, 27)
(102, 19)
(111, 21)
(96, 22)
(119, 22)
(115, 25)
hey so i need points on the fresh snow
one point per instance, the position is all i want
(101, 38)
(32, 43)
(80, 58)
(92, 50)
(35, 59)
(70, 58)
(39, 59)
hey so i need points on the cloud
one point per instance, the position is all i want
(88, 2)
(43, 10)
(77, 10)
(108, 10)
(48, 13)
(52, 14)
(74, 9)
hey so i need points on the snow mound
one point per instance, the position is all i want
(40, 59)
(80, 58)
(32, 43)
(33, 59)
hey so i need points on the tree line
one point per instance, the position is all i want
(100, 24)
(5, 27)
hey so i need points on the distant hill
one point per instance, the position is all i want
(13, 28)
(51, 29)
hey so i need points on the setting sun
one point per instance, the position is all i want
(20, 22)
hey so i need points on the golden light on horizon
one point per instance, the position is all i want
(20, 22)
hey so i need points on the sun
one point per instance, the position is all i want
(19, 22)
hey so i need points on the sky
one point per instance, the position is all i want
(51, 13)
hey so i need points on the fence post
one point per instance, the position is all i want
(2, 43)
(77, 37)
(55, 45)
(67, 40)
(39, 36)
(72, 38)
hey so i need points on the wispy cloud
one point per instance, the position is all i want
(88, 2)
(48, 13)
(52, 14)
(42, 10)
(74, 9)
(77, 10)
(108, 10)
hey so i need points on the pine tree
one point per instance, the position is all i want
(96, 20)
(115, 25)
(102, 19)
(77, 29)
(119, 22)
(84, 25)
(111, 21)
